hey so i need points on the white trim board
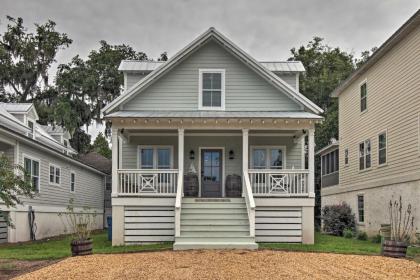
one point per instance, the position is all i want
(222, 90)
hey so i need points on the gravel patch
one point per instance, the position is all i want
(220, 264)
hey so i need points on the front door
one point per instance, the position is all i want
(211, 172)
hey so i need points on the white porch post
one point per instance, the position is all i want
(245, 134)
(311, 162)
(115, 148)
(181, 155)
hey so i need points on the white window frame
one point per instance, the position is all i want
(365, 154)
(28, 120)
(267, 160)
(72, 172)
(200, 89)
(155, 155)
(364, 82)
(386, 147)
(346, 157)
(364, 208)
(32, 158)
(55, 166)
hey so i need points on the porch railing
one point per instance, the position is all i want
(279, 182)
(147, 182)
(250, 204)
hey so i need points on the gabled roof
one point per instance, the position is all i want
(20, 108)
(136, 66)
(403, 31)
(11, 121)
(98, 161)
(213, 34)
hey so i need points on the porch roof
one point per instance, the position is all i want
(214, 114)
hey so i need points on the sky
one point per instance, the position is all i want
(266, 29)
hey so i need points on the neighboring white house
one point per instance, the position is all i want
(215, 115)
(44, 152)
(379, 132)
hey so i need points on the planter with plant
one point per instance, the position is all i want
(81, 224)
(402, 230)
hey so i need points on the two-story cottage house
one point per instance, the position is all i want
(379, 132)
(56, 176)
(208, 150)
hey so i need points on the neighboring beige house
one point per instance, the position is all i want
(379, 131)
(208, 150)
(46, 154)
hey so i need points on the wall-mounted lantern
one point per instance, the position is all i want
(231, 154)
(192, 154)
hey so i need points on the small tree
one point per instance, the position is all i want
(101, 146)
(338, 218)
(402, 225)
(14, 184)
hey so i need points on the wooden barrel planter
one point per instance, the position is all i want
(394, 249)
(191, 185)
(81, 247)
(233, 186)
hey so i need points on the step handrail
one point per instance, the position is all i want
(178, 201)
(250, 203)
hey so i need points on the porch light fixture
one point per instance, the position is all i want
(231, 154)
(192, 154)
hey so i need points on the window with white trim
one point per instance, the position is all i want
(55, 174)
(72, 181)
(31, 127)
(212, 89)
(155, 157)
(382, 148)
(363, 97)
(31, 167)
(346, 157)
(364, 155)
(361, 208)
(268, 158)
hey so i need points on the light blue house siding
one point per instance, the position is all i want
(245, 90)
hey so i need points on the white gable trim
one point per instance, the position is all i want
(240, 54)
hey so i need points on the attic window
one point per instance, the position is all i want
(212, 89)
(31, 127)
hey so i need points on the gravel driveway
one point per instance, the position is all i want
(228, 265)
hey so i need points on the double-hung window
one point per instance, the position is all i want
(268, 158)
(31, 167)
(55, 174)
(72, 181)
(361, 208)
(364, 155)
(346, 156)
(155, 157)
(212, 89)
(382, 147)
(363, 97)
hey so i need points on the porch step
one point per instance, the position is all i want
(214, 223)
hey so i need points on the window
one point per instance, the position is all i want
(31, 127)
(268, 158)
(155, 157)
(212, 89)
(363, 97)
(361, 208)
(346, 157)
(330, 162)
(72, 181)
(32, 171)
(382, 146)
(55, 173)
(364, 155)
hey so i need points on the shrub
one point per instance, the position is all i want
(361, 235)
(376, 238)
(402, 222)
(336, 218)
(348, 233)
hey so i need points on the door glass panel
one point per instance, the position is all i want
(215, 172)
(259, 158)
(207, 159)
(147, 158)
(215, 159)
(276, 158)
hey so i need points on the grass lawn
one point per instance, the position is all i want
(59, 247)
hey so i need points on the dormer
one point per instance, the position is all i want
(24, 112)
(61, 135)
(136, 70)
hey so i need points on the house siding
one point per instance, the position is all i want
(89, 189)
(393, 104)
(290, 79)
(245, 90)
(132, 78)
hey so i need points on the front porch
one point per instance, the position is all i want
(272, 167)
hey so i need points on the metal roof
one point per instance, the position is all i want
(149, 66)
(54, 129)
(283, 66)
(17, 107)
(10, 120)
(403, 31)
(328, 148)
(213, 114)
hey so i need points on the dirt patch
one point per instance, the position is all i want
(13, 268)
(228, 265)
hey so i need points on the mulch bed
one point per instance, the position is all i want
(220, 264)
(13, 268)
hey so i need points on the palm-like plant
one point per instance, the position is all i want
(402, 224)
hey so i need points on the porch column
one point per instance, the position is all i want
(311, 162)
(115, 147)
(245, 134)
(181, 156)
